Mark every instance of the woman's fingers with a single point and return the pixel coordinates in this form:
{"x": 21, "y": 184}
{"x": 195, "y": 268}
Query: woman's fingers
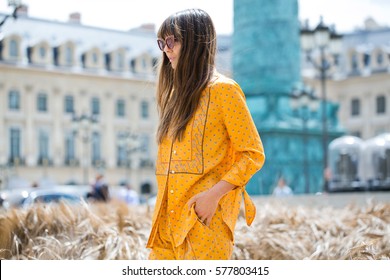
{"x": 204, "y": 209}
{"x": 191, "y": 201}
{"x": 201, "y": 221}
{"x": 207, "y": 222}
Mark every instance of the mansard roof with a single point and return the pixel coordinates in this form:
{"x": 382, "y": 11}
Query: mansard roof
{"x": 33, "y": 30}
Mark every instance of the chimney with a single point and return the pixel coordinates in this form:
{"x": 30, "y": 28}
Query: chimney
{"x": 146, "y": 27}
{"x": 75, "y": 18}
{"x": 22, "y": 11}
{"x": 371, "y": 24}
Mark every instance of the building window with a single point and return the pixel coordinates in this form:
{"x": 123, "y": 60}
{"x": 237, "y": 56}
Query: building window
{"x": 144, "y": 109}
{"x": 95, "y": 58}
{"x": 336, "y": 59}
{"x": 43, "y": 145}
{"x": 14, "y": 100}
{"x": 42, "y": 52}
{"x": 68, "y": 56}
{"x": 379, "y": 59}
{"x": 367, "y": 60}
{"x": 120, "y": 108}
{"x": 144, "y": 63}
{"x": 132, "y": 65}
{"x": 69, "y": 104}
{"x": 96, "y": 141}
{"x": 13, "y": 48}
{"x": 145, "y": 148}
{"x": 355, "y": 63}
{"x": 119, "y": 61}
{"x": 146, "y": 160}
{"x": 15, "y": 142}
{"x": 95, "y": 106}
{"x": 121, "y": 153}
{"x": 42, "y": 102}
{"x": 121, "y": 156}
{"x": 355, "y": 107}
{"x": 381, "y": 105}
{"x": 70, "y": 150}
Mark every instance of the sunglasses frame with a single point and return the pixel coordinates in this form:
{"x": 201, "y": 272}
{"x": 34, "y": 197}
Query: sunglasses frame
{"x": 169, "y": 42}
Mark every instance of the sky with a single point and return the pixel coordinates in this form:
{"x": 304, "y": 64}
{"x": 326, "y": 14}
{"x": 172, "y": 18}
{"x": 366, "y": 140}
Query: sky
{"x": 123, "y": 15}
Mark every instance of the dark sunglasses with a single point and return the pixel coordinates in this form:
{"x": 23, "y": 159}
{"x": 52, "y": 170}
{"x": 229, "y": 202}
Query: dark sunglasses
{"x": 169, "y": 42}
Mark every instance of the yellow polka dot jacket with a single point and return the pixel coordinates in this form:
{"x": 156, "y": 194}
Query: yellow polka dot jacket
{"x": 221, "y": 142}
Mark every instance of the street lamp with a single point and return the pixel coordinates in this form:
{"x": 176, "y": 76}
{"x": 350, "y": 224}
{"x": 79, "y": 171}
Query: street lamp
{"x": 322, "y": 47}
{"x": 304, "y": 103}
{"x": 83, "y": 126}
{"x": 128, "y": 142}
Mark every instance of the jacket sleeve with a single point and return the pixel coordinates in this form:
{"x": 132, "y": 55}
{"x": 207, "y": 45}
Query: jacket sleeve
{"x": 248, "y": 149}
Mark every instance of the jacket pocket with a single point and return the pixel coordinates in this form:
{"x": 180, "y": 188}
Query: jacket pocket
{"x": 212, "y": 242}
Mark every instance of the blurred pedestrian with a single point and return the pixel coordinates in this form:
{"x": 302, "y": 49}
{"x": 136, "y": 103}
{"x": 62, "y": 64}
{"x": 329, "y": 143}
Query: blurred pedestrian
{"x": 282, "y": 189}
{"x": 327, "y": 178}
{"x": 100, "y": 190}
{"x": 130, "y": 196}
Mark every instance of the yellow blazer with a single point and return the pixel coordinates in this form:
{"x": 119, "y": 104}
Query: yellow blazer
{"x": 220, "y": 142}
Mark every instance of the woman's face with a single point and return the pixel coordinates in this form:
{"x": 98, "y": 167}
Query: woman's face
{"x": 171, "y": 47}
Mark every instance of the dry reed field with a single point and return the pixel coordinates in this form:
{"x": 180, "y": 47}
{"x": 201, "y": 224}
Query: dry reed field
{"x": 116, "y": 231}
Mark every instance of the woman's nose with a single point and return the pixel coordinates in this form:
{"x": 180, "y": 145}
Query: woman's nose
{"x": 166, "y": 49}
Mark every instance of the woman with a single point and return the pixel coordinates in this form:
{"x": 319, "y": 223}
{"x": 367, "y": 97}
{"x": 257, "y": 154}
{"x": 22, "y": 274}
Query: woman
{"x": 208, "y": 146}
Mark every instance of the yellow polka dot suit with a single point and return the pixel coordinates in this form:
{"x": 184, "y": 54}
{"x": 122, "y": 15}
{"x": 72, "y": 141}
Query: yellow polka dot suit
{"x": 220, "y": 142}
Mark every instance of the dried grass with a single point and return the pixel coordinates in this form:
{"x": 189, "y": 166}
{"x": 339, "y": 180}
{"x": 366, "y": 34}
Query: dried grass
{"x": 115, "y": 231}
{"x": 283, "y": 232}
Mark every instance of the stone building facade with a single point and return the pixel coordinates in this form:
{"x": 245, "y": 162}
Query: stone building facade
{"x": 359, "y": 80}
{"x": 55, "y": 73}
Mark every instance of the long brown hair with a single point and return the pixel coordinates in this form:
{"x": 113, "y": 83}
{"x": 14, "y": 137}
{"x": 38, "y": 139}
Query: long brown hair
{"x": 179, "y": 89}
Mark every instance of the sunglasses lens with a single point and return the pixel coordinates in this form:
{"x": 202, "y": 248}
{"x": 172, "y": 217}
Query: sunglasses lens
{"x": 170, "y": 42}
{"x": 161, "y": 44}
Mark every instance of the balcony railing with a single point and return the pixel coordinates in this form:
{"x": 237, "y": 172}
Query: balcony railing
{"x": 16, "y": 161}
{"x": 45, "y": 161}
{"x": 146, "y": 163}
{"x": 98, "y": 163}
{"x": 72, "y": 162}
{"x": 123, "y": 163}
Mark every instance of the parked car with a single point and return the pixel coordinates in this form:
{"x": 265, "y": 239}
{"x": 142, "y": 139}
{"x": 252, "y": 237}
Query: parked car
{"x": 53, "y": 195}
{"x": 13, "y": 198}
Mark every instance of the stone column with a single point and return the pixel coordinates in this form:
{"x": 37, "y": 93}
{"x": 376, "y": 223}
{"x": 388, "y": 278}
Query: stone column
{"x": 108, "y": 131}
{"x": 58, "y": 138}
{"x": 3, "y": 138}
{"x": 29, "y": 138}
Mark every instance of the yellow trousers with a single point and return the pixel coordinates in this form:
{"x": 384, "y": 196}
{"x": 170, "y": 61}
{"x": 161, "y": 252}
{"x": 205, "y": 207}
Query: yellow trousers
{"x": 201, "y": 243}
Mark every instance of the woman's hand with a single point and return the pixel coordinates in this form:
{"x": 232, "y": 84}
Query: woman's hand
{"x": 206, "y": 202}
{"x": 205, "y": 206}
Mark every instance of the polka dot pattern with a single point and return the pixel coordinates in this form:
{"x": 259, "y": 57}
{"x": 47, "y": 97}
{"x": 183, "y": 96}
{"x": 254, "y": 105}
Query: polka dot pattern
{"x": 221, "y": 142}
{"x": 201, "y": 242}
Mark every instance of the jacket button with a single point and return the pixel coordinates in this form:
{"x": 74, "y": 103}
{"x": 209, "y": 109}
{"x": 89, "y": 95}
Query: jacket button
{"x": 171, "y": 191}
{"x": 172, "y": 171}
{"x": 172, "y": 211}
{"x": 175, "y": 152}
